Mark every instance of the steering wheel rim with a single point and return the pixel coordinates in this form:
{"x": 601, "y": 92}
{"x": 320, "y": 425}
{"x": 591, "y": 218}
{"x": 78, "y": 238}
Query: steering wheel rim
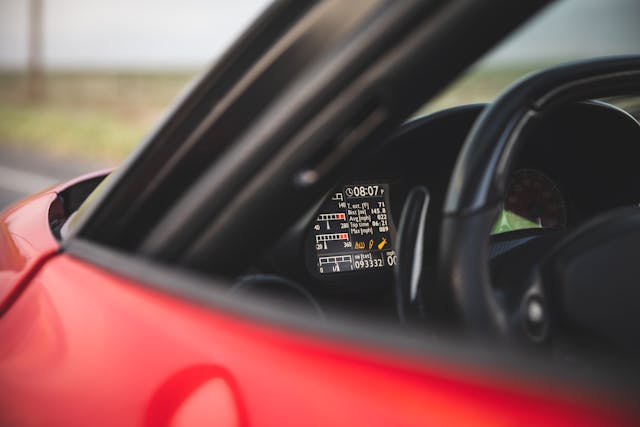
{"x": 477, "y": 187}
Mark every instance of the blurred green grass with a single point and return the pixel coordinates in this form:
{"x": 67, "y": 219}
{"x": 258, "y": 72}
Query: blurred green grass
{"x": 96, "y": 115}
{"x": 103, "y": 115}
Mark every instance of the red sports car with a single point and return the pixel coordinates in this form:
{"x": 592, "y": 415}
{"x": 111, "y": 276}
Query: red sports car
{"x": 286, "y": 249}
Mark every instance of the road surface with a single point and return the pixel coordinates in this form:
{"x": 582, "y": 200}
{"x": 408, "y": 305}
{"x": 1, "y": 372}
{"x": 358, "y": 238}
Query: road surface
{"x": 25, "y": 172}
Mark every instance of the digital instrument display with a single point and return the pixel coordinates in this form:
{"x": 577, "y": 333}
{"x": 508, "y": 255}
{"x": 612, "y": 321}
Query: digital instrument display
{"x": 353, "y": 230}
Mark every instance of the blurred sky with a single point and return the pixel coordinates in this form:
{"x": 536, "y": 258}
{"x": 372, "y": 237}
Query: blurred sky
{"x": 187, "y": 34}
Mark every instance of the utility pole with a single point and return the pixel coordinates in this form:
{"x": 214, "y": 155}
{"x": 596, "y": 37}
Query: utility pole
{"x": 35, "y": 72}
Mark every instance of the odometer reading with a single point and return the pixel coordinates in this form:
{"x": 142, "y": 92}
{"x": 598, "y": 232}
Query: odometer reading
{"x": 352, "y": 230}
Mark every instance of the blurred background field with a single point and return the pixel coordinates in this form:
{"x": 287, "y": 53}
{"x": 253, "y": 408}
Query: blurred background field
{"x": 108, "y": 69}
{"x": 82, "y": 82}
{"x": 103, "y": 115}
{"x": 99, "y": 115}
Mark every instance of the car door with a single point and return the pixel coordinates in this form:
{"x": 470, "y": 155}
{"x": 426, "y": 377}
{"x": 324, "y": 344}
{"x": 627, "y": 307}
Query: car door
{"x": 129, "y": 320}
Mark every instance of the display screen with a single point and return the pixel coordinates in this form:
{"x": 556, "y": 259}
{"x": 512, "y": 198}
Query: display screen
{"x": 353, "y": 230}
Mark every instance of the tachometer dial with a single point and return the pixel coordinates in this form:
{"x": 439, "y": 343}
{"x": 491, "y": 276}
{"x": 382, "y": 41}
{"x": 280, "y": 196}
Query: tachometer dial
{"x": 534, "y": 198}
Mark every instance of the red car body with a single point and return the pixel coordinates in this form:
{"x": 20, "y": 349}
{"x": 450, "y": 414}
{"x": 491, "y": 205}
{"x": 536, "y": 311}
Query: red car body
{"x": 85, "y": 345}
{"x": 82, "y": 346}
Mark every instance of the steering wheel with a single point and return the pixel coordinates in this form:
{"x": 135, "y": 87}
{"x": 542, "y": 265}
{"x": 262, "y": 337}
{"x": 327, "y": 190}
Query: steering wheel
{"x": 588, "y": 281}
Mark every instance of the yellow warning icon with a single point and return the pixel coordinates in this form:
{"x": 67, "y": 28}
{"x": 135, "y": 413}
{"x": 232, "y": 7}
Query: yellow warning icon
{"x": 382, "y": 243}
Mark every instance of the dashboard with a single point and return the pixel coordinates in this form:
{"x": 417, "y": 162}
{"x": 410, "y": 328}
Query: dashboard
{"x": 580, "y": 161}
